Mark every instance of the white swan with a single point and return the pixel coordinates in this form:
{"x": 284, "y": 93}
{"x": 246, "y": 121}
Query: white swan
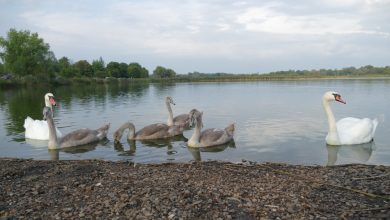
{"x": 75, "y": 138}
{"x": 183, "y": 119}
{"x": 38, "y": 129}
{"x": 346, "y": 131}
{"x": 209, "y": 137}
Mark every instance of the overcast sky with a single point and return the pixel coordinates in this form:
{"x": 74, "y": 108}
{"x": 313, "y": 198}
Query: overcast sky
{"x": 210, "y": 35}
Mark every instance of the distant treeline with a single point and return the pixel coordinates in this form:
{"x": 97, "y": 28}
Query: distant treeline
{"x": 365, "y": 71}
{"x": 27, "y": 59}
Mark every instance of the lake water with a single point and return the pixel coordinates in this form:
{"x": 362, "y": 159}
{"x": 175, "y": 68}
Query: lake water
{"x": 276, "y": 121}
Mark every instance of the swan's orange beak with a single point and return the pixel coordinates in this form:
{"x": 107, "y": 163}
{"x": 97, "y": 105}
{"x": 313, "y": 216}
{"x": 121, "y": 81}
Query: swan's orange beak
{"x": 339, "y": 99}
{"x": 52, "y": 101}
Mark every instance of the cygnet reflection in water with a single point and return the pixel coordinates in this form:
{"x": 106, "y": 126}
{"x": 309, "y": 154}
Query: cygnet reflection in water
{"x": 157, "y": 143}
{"x": 55, "y": 153}
{"x": 196, "y": 152}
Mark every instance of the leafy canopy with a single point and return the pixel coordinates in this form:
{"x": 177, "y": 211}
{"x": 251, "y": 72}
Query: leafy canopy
{"x": 24, "y": 53}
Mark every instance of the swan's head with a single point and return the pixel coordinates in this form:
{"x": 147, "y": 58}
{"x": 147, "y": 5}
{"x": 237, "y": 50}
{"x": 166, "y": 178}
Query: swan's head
{"x": 333, "y": 96}
{"x": 47, "y": 113}
{"x": 117, "y": 136}
{"x": 119, "y": 132}
{"x": 169, "y": 100}
{"x": 49, "y": 99}
{"x": 196, "y": 118}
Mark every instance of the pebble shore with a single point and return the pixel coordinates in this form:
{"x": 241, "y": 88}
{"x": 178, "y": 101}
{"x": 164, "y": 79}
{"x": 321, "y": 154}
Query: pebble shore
{"x": 95, "y": 189}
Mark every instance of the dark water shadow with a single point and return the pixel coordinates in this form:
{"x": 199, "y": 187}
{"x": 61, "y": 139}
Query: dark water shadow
{"x": 157, "y": 143}
{"x": 196, "y": 152}
{"x": 55, "y": 154}
{"x": 18, "y": 103}
{"x": 120, "y": 148}
{"x": 357, "y": 152}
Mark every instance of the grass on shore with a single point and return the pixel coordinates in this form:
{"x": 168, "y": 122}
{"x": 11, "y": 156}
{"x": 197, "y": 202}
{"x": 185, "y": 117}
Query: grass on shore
{"x": 37, "y": 80}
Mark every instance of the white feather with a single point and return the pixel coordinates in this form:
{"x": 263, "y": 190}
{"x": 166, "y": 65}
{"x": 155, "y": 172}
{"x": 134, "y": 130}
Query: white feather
{"x": 37, "y": 129}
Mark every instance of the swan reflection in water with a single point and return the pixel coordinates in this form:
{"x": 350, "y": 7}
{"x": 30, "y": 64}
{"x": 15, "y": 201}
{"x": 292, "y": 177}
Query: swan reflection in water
{"x": 158, "y": 143}
{"x": 196, "y": 151}
{"x": 55, "y": 153}
{"x": 358, "y": 152}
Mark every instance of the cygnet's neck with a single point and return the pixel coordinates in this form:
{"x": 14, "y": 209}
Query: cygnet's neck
{"x": 170, "y": 114}
{"x": 194, "y": 140}
{"x": 53, "y": 142}
{"x": 131, "y": 134}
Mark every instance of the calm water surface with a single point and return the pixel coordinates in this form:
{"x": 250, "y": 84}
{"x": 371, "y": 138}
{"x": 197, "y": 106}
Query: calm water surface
{"x": 278, "y": 121}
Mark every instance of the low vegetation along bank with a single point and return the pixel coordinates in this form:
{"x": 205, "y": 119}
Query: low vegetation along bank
{"x": 198, "y": 190}
{"x": 26, "y": 81}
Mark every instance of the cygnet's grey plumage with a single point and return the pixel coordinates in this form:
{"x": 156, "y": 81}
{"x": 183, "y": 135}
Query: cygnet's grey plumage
{"x": 153, "y": 131}
{"x": 75, "y": 138}
{"x": 182, "y": 120}
{"x": 208, "y": 137}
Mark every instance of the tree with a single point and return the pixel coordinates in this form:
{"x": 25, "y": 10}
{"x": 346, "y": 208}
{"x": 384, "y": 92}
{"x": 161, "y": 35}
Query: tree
{"x": 144, "y": 73}
{"x": 83, "y": 68}
{"x": 65, "y": 67}
{"x": 113, "y": 69}
{"x": 117, "y": 70}
{"x": 161, "y": 72}
{"x": 98, "y": 67}
{"x": 137, "y": 71}
{"x": 24, "y": 53}
{"x": 123, "y": 72}
{"x": 2, "y": 68}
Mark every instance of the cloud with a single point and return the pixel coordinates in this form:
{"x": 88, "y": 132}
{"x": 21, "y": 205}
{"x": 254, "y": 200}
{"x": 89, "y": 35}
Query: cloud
{"x": 225, "y": 36}
{"x": 264, "y": 19}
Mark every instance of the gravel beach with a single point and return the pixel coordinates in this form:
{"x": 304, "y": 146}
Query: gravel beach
{"x": 95, "y": 189}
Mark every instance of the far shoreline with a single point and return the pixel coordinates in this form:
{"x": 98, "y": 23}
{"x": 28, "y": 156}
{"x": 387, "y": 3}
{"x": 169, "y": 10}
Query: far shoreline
{"x": 33, "y": 81}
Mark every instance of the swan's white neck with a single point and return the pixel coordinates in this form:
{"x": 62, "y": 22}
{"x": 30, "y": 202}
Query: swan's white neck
{"x": 170, "y": 114}
{"x": 333, "y": 136}
{"x": 194, "y": 140}
{"x": 53, "y": 142}
{"x": 48, "y": 103}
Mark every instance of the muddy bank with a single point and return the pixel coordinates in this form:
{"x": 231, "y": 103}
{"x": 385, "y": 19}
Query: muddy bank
{"x": 199, "y": 190}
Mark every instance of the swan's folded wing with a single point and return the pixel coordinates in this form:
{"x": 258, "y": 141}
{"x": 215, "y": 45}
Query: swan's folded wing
{"x": 27, "y": 122}
{"x": 152, "y": 130}
{"x": 79, "y": 137}
{"x": 355, "y": 130}
{"x": 211, "y": 135}
{"x": 175, "y": 130}
{"x": 181, "y": 119}
{"x": 36, "y": 129}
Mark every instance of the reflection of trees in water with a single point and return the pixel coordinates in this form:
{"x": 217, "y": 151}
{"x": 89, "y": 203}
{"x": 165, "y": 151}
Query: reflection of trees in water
{"x": 196, "y": 152}
{"x": 98, "y": 93}
{"x": 163, "y": 89}
{"x": 356, "y": 152}
{"x": 18, "y": 103}
{"x": 84, "y": 92}
{"x": 133, "y": 89}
